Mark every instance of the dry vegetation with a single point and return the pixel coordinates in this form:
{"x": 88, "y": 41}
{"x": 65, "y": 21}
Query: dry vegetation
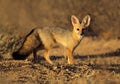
{"x": 97, "y": 58}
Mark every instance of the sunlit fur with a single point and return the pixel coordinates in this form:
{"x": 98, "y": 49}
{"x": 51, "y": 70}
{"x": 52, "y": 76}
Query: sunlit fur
{"x": 46, "y": 37}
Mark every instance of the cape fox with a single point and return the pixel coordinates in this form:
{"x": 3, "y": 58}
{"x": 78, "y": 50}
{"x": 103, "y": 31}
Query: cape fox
{"x": 46, "y": 37}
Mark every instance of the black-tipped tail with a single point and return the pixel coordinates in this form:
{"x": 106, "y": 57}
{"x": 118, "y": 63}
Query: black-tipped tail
{"x": 18, "y": 56}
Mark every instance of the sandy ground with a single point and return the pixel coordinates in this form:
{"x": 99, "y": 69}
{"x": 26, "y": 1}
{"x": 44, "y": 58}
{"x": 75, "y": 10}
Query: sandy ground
{"x": 95, "y": 62}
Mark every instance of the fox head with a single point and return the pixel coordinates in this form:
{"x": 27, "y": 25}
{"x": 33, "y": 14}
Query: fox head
{"x": 77, "y": 26}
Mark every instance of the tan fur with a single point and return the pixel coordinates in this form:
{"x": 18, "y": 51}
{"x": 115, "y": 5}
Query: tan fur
{"x": 48, "y": 36}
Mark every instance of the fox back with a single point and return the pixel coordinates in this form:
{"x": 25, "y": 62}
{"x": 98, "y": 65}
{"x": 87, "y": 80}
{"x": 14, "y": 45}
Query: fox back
{"x": 69, "y": 39}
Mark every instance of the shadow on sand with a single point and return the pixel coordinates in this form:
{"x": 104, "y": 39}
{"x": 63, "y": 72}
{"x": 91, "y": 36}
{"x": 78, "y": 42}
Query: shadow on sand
{"x": 104, "y": 55}
{"x": 111, "y": 67}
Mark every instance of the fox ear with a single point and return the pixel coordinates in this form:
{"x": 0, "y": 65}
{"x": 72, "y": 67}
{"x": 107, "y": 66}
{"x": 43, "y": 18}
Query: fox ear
{"x": 86, "y": 21}
{"x": 74, "y": 20}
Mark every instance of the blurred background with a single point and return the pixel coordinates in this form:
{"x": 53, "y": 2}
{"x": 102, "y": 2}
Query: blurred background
{"x": 20, "y": 16}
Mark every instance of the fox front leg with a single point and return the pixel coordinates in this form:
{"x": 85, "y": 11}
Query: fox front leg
{"x": 70, "y": 57}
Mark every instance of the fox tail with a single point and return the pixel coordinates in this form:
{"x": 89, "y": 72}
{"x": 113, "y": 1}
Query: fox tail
{"x": 31, "y": 42}
{"x": 17, "y": 56}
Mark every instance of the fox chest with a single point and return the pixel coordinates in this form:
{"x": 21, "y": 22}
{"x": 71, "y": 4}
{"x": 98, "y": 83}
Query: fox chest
{"x": 67, "y": 42}
{"x": 75, "y": 42}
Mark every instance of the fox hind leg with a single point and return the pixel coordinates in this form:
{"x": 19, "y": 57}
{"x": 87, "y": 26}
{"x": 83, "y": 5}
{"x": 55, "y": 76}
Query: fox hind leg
{"x": 46, "y": 56}
{"x": 35, "y": 56}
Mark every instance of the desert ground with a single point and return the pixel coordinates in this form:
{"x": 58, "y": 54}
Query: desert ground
{"x": 96, "y": 62}
{"x": 96, "y": 59}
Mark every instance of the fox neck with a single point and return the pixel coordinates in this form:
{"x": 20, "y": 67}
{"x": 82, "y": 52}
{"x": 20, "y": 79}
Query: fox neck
{"x": 76, "y": 36}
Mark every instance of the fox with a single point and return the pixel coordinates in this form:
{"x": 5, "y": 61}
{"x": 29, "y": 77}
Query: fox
{"x": 46, "y": 37}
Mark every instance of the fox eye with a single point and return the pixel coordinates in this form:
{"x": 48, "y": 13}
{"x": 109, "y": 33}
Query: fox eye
{"x": 78, "y": 29}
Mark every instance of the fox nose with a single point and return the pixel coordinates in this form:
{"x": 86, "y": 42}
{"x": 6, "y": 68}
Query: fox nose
{"x": 83, "y": 32}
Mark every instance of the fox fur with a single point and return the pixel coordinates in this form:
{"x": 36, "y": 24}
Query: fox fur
{"x": 46, "y": 37}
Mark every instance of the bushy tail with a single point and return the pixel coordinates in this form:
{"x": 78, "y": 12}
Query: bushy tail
{"x": 31, "y": 42}
{"x": 18, "y": 56}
